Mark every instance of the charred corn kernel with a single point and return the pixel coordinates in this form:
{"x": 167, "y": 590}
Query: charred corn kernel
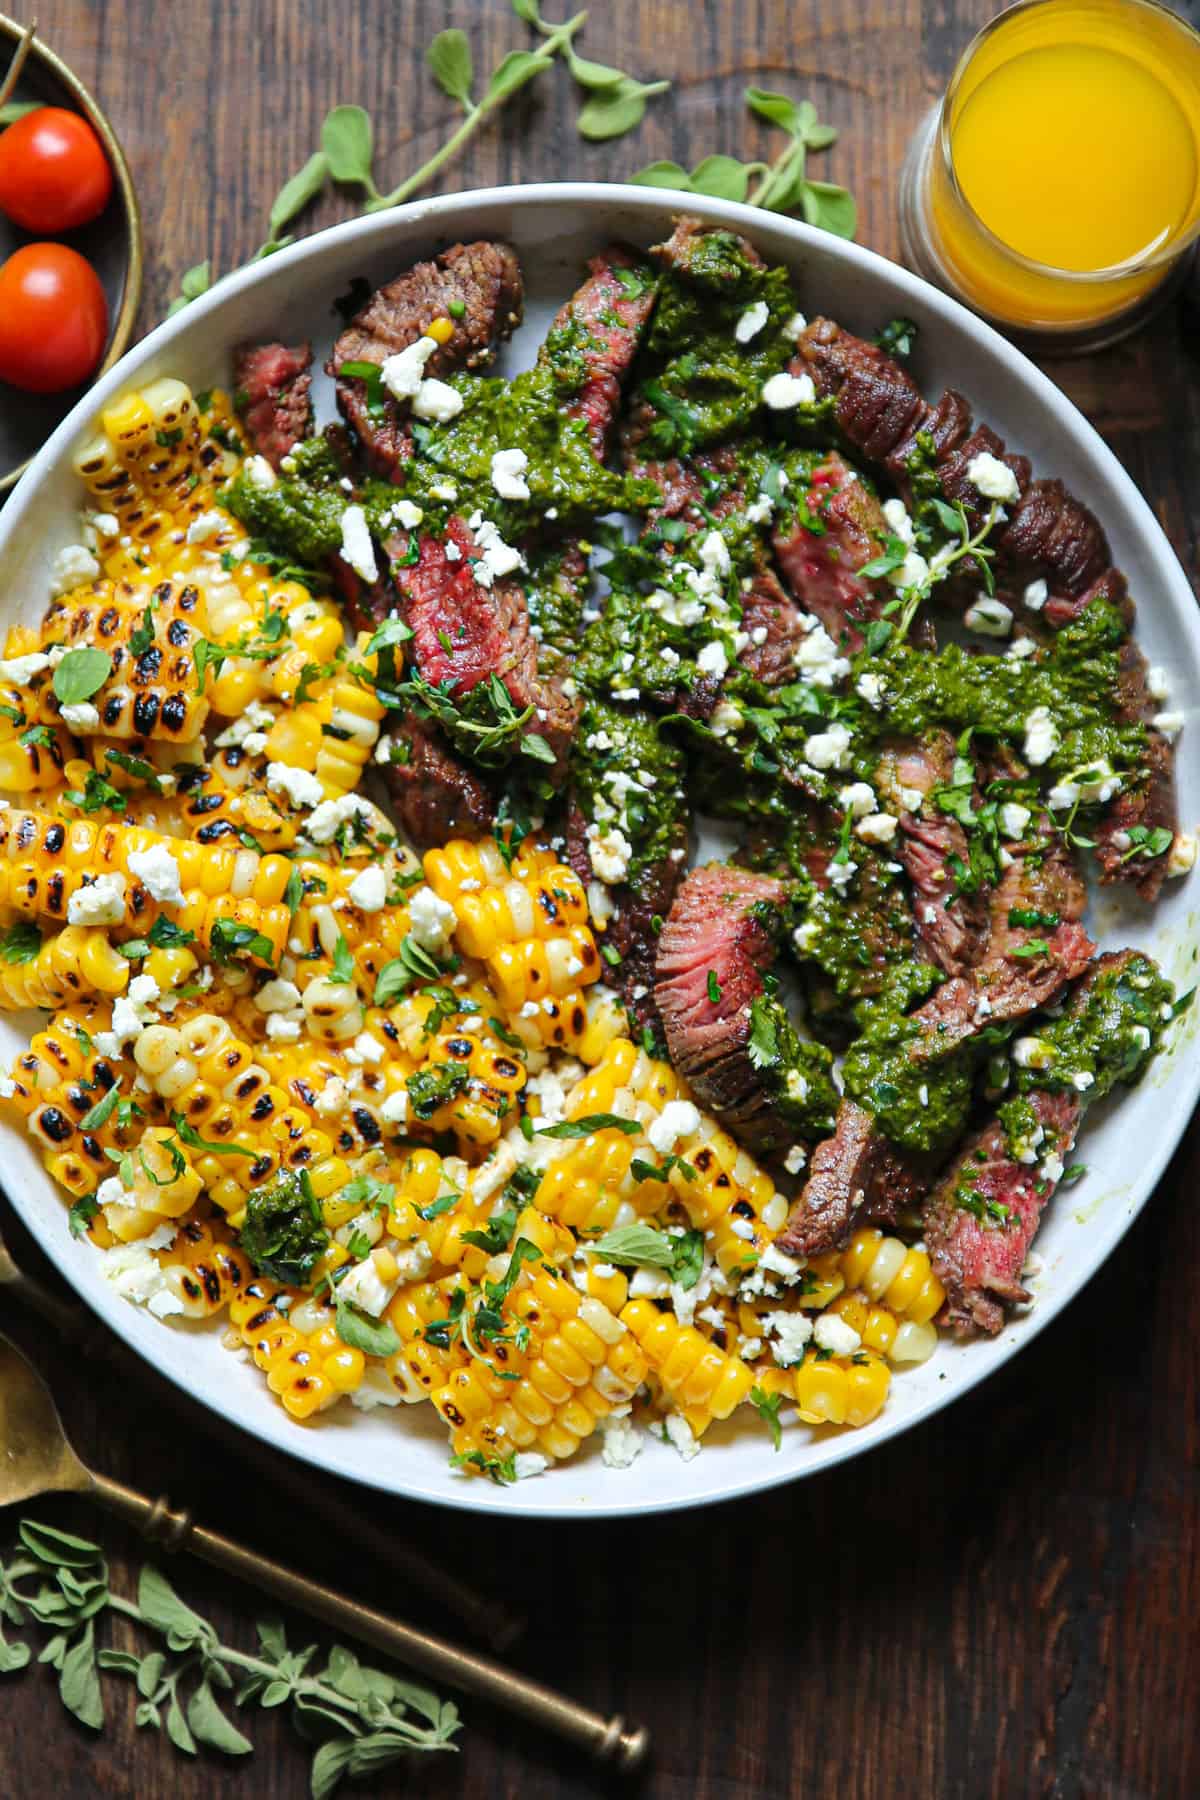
{"x": 150, "y": 632}
{"x": 605, "y": 1021}
{"x": 887, "y": 1270}
{"x": 467, "y": 867}
{"x": 76, "y": 962}
{"x": 29, "y": 765}
{"x": 840, "y": 1390}
{"x": 693, "y": 1372}
{"x": 535, "y": 969}
{"x": 351, "y": 734}
{"x": 204, "y": 1276}
{"x": 546, "y": 905}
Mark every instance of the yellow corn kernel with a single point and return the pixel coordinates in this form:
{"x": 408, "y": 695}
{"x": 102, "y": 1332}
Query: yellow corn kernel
{"x": 841, "y": 1390}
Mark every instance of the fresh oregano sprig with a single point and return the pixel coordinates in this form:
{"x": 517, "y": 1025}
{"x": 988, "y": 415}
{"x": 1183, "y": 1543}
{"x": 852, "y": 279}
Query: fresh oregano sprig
{"x": 615, "y": 104}
{"x": 782, "y": 186}
{"x": 363, "y": 1718}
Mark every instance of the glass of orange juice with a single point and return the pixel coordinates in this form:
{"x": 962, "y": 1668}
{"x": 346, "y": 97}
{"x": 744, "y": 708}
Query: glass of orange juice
{"x": 1056, "y": 188}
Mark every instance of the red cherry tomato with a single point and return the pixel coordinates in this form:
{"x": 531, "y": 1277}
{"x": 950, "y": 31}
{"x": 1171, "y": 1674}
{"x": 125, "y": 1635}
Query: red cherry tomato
{"x": 54, "y": 174}
{"x": 53, "y": 319}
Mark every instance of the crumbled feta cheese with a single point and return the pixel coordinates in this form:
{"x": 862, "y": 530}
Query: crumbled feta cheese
{"x": 205, "y": 527}
{"x": 80, "y": 715}
{"x": 841, "y": 874}
{"x": 22, "y": 669}
{"x": 775, "y": 1262}
{"x": 678, "y": 1119}
{"x": 101, "y": 902}
{"x": 725, "y": 718}
{"x": 1169, "y": 723}
{"x": 1022, "y": 647}
{"x": 254, "y": 743}
{"x": 404, "y": 372}
{"x": 394, "y": 1110}
{"x": 136, "y": 1275}
{"x": 681, "y": 1435}
{"x": 877, "y": 828}
{"x": 364, "y": 1286}
{"x": 406, "y": 514}
{"x": 1157, "y": 684}
{"x": 993, "y": 478}
{"x": 1036, "y": 595}
{"x": 816, "y": 654}
{"x": 438, "y": 401}
{"x": 858, "y": 799}
{"x": 783, "y": 391}
{"x": 795, "y": 1159}
{"x": 649, "y": 1284}
{"x": 795, "y": 326}
{"x": 528, "y": 1463}
{"x": 301, "y": 788}
{"x": 1082, "y": 1080}
{"x": 1041, "y": 737}
{"x": 911, "y": 799}
{"x": 453, "y": 553}
{"x": 790, "y": 1332}
{"x": 105, "y": 526}
{"x": 1032, "y": 1053}
{"x": 431, "y": 919}
{"x": 760, "y": 510}
{"x": 285, "y": 1029}
{"x": 610, "y": 855}
{"x": 1014, "y": 819}
{"x": 913, "y": 571}
{"x": 71, "y": 568}
{"x": 622, "y": 1443}
{"x": 869, "y": 687}
{"x": 158, "y": 872}
{"x": 357, "y": 547}
{"x": 508, "y": 474}
{"x": 1181, "y": 857}
{"x": 751, "y": 322}
{"x": 256, "y": 717}
{"x": 988, "y": 616}
{"x": 259, "y": 473}
{"x": 713, "y": 659}
{"x": 833, "y": 1333}
{"x": 828, "y": 749}
{"x": 498, "y": 558}
{"x": 896, "y": 514}
{"x": 1051, "y": 1167}
{"x": 328, "y": 818}
{"x": 368, "y": 890}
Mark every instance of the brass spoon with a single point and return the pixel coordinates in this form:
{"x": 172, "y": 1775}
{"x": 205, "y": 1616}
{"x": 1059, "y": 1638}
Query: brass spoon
{"x": 35, "y": 1458}
{"x": 485, "y": 1618}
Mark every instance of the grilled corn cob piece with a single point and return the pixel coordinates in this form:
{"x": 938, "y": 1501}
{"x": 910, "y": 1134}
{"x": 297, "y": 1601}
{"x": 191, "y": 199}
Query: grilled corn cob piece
{"x": 73, "y": 964}
{"x": 840, "y": 1390}
{"x": 203, "y": 1273}
{"x": 151, "y": 691}
{"x": 308, "y": 1370}
{"x": 702, "y": 1382}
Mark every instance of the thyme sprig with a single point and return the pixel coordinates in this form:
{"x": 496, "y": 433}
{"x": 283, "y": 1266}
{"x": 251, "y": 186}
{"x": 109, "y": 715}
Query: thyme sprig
{"x": 364, "y": 1718}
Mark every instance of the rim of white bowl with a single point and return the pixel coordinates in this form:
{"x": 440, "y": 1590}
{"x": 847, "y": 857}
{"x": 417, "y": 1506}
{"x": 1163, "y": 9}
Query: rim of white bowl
{"x": 1182, "y": 1092}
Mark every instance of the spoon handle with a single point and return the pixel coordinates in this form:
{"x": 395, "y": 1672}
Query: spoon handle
{"x": 607, "y": 1740}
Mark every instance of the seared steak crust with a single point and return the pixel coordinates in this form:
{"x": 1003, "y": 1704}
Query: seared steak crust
{"x": 855, "y": 1176}
{"x": 272, "y": 383}
{"x": 435, "y": 795}
{"x": 951, "y": 927}
{"x": 822, "y": 569}
{"x": 631, "y": 931}
{"x": 483, "y": 279}
{"x": 606, "y": 317}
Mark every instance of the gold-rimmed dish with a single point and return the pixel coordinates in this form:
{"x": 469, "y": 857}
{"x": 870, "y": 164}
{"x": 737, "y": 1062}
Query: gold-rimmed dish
{"x": 112, "y": 244}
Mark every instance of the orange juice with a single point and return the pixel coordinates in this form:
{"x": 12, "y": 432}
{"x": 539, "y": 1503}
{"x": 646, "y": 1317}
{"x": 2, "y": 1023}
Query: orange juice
{"x": 1066, "y": 170}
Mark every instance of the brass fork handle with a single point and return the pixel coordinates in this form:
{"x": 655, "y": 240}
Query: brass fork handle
{"x": 607, "y": 1740}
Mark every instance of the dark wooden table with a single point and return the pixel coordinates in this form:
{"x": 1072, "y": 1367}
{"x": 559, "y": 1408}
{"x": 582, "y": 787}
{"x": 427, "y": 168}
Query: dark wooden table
{"x": 1004, "y": 1601}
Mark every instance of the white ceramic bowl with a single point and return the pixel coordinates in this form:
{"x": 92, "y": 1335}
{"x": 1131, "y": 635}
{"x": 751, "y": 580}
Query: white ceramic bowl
{"x": 403, "y": 1450}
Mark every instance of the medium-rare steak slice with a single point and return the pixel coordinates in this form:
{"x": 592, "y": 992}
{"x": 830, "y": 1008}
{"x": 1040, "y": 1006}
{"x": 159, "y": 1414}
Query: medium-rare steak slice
{"x": 602, "y": 324}
{"x": 475, "y": 288}
{"x": 468, "y": 635}
{"x": 726, "y": 1030}
{"x": 823, "y": 548}
{"x": 981, "y": 1219}
{"x": 271, "y": 385}
{"x": 855, "y": 1175}
{"x": 951, "y": 925}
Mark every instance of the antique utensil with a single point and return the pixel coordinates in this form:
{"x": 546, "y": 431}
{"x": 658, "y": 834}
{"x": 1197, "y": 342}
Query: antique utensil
{"x": 485, "y": 1618}
{"x": 13, "y": 73}
{"x": 36, "y": 1458}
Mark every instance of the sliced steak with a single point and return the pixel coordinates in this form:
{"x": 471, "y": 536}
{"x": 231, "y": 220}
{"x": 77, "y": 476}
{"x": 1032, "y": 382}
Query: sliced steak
{"x": 633, "y": 908}
{"x": 603, "y": 322}
{"x": 688, "y": 252}
{"x": 951, "y": 927}
{"x": 435, "y": 795}
{"x": 476, "y": 287}
{"x": 856, "y": 1175}
{"x": 981, "y": 1218}
{"x": 272, "y": 384}
{"x": 1049, "y": 530}
{"x": 776, "y": 627}
{"x": 464, "y": 633}
{"x": 821, "y": 566}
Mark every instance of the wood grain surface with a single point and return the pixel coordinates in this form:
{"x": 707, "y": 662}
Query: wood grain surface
{"x": 1002, "y": 1603}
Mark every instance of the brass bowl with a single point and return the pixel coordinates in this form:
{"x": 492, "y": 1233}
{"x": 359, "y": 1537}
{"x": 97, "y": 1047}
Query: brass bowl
{"x": 112, "y": 243}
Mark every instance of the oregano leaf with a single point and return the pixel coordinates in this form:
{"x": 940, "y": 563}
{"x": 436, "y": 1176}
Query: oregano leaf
{"x": 58, "y": 1548}
{"x": 328, "y": 1766}
{"x": 165, "y": 1611}
{"x": 12, "y": 1656}
{"x": 723, "y": 176}
{"x": 831, "y": 207}
{"x": 295, "y": 195}
{"x": 592, "y": 74}
{"x": 210, "y": 1726}
{"x": 777, "y": 109}
{"x": 79, "y": 1682}
{"x": 346, "y": 139}
{"x": 662, "y": 174}
{"x": 613, "y": 111}
{"x": 177, "y": 1729}
{"x": 449, "y": 58}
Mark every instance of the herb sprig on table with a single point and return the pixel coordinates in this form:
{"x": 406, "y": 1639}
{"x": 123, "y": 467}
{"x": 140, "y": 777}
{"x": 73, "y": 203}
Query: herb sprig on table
{"x": 362, "y": 1718}
{"x": 614, "y": 104}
